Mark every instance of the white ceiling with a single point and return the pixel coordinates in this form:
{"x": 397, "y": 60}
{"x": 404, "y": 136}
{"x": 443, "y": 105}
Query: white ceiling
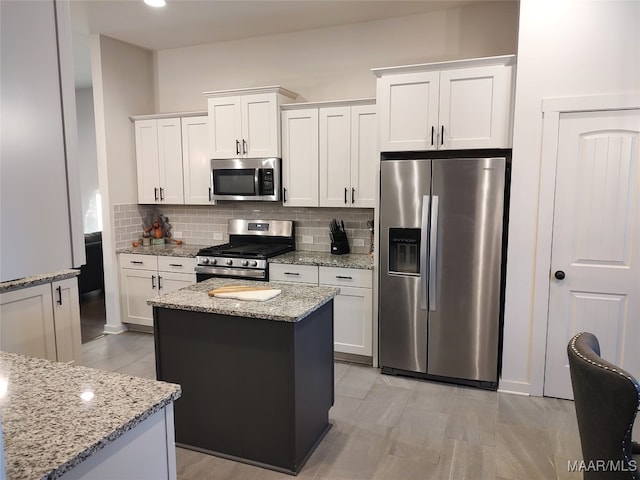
{"x": 183, "y": 23}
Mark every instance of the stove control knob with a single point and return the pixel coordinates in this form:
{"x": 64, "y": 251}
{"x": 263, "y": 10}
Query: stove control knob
{"x": 205, "y": 261}
{"x": 245, "y": 263}
{"x": 213, "y": 261}
{"x": 254, "y": 263}
{"x": 229, "y": 261}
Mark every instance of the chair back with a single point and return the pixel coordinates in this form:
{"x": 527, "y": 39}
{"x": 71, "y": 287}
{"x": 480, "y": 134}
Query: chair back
{"x": 606, "y": 401}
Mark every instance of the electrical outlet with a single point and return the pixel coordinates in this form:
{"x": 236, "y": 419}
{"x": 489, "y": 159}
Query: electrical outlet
{"x": 358, "y": 242}
{"x": 307, "y": 239}
{"x": 177, "y": 235}
{"x": 217, "y": 236}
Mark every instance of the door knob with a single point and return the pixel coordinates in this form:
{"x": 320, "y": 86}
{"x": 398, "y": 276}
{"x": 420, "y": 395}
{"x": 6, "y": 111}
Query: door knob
{"x": 559, "y": 274}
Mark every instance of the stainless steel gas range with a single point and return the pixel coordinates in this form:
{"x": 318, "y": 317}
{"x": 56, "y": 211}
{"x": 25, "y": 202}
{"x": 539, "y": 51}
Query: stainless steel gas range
{"x": 251, "y": 244}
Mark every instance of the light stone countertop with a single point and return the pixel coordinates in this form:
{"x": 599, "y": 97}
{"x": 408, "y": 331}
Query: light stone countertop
{"x": 168, "y": 249}
{"x": 48, "y": 428}
{"x": 34, "y": 280}
{"x": 325, "y": 259}
{"x": 294, "y": 303}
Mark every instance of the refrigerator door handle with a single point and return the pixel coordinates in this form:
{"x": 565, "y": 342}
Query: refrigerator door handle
{"x": 424, "y": 231}
{"x": 433, "y": 253}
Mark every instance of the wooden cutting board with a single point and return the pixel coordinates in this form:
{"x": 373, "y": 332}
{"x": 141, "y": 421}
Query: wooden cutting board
{"x": 245, "y": 292}
{"x": 236, "y": 288}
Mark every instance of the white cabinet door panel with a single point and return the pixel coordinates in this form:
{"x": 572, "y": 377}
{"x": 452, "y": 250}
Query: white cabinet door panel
{"x": 293, "y": 273}
{"x": 365, "y": 159}
{"x": 169, "y": 281}
{"x": 26, "y": 322}
{"x": 352, "y": 317}
{"x": 146, "y": 132}
{"x": 137, "y": 287}
{"x": 408, "y": 107}
{"x": 66, "y": 313}
{"x": 596, "y": 238}
{"x": 260, "y": 129}
{"x": 225, "y": 126}
{"x": 196, "y": 162}
{"x": 170, "y": 160}
{"x": 472, "y": 107}
{"x": 334, "y": 151}
{"x": 300, "y": 157}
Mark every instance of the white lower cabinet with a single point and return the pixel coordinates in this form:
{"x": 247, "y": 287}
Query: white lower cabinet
{"x": 42, "y": 321}
{"x": 352, "y": 308}
{"x": 147, "y": 276}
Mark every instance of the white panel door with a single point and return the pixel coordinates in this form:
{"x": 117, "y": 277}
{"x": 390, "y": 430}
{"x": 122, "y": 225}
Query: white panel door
{"x": 225, "y": 127}
{"x": 365, "y": 158}
{"x": 408, "y": 108}
{"x": 146, "y": 132}
{"x": 472, "y": 108}
{"x": 334, "y": 149}
{"x": 300, "y": 157}
{"x": 260, "y": 129}
{"x": 170, "y": 281}
{"x": 196, "y": 162}
{"x": 596, "y": 242}
{"x": 170, "y": 160}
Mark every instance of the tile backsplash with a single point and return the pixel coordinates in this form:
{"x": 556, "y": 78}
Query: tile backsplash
{"x": 207, "y": 224}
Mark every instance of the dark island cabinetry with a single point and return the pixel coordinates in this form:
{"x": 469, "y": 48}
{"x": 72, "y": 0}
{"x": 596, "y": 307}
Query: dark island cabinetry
{"x": 253, "y": 389}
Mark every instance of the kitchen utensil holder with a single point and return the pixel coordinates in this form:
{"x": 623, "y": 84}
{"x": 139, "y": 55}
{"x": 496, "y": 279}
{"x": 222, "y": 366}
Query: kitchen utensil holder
{"x": 339, "y": 248}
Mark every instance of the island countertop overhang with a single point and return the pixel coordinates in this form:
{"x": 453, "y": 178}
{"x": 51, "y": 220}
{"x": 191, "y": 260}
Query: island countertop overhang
{"x": 295, "y": 302}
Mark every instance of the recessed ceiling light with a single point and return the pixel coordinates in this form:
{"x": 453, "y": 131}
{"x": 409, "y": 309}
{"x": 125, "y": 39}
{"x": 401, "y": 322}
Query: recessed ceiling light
{"x": 155, "y": 3}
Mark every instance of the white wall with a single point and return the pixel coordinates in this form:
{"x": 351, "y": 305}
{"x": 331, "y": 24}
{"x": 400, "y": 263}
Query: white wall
{"x": 333, "y": 63}
{"x": 565, "y": 48}
{"x": 87, "y": 157}
{"x": 123, "y": 85}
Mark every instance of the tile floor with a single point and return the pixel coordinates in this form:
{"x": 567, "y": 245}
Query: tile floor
{"x": 396, "y": 428}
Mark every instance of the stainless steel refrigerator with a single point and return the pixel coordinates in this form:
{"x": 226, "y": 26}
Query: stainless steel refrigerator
{"x": 441, "y": 266}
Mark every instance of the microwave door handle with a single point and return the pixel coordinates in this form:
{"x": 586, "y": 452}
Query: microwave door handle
{"x": 433, "y": 253}
{"x": 424, "y": 232}
{"x": 256, "y": 182}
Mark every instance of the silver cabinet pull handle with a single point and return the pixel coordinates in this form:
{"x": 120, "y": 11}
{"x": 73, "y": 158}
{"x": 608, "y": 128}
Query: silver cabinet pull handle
{"x": 175, "y": 265}
{"x": 137, "y": 262}
{"x": 153, "y": 281}
{"x": 344, "y": 277}
{"x": 237, "y": 147}
{"x": 345, "y": 194}
{"x": 159, "y": 282}
{"x": 291, "y": 273}
{"x": 59, "y": 289}
{"x": 161, "y": 193}
{"x": 155, "y": 193}
{"x": 209, "y": 193}
{"x": 353, "y": 195}
{"x": 244, "y": 146}
{"x": 442, "y": 135}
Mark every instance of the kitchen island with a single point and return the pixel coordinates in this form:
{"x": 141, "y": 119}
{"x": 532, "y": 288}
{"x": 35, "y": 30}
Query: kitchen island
{"x": 72, "y": 422}
{"x": 256, "y": 377}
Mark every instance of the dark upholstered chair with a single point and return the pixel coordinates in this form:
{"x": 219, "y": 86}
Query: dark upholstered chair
{"x": 607, "y": 400}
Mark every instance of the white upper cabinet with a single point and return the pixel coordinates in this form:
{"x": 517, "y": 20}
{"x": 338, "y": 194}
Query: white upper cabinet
{"x": 442, "y": 106}
{"x": 300, "y": 157}
{"x": 330, "y": 154}
{"x": 159, "y": 160}
{"x": 246, "y": 123}
{"x": 196, "y": 162}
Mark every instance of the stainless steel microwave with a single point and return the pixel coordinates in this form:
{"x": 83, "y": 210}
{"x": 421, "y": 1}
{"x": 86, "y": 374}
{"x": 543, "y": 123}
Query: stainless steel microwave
{"x": 255, "y": 179}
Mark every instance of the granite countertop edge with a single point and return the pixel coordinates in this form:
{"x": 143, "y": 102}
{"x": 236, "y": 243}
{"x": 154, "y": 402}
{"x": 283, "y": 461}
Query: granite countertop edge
{"x": 221, "y": 310}
{"x": 114, "y": 435}
{"x": 34, "y": 280}
{"x": 360, "y": 261}
{"x": 300, "y": 299}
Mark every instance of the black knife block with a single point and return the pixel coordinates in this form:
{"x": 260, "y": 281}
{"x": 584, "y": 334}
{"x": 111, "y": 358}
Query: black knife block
{"x": 340, "y": 247}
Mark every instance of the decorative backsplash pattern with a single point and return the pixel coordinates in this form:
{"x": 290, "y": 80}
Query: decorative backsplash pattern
{"x": 207, "y": 224}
